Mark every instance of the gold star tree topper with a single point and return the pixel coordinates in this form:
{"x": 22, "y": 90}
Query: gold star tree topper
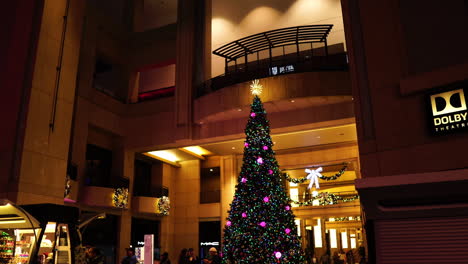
{"x": 256, "y": 87}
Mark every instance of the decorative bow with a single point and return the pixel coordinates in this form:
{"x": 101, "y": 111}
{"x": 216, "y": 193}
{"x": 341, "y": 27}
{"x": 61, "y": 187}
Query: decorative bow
{"x": 313, "y": 177}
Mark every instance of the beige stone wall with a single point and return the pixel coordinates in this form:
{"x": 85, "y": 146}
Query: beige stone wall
{"x": 45, "y": 152}
{"x": 186, "y": 206}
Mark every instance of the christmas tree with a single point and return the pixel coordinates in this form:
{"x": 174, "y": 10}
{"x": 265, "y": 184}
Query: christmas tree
{"x": 260, "y": 228}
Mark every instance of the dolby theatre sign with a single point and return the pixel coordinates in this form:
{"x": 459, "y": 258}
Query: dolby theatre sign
{"x": 449, "y": 111}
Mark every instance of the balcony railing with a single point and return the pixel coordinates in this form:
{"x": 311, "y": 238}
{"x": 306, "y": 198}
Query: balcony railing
{"x": 324, "y": 198}
{"x": 289, "y": 50}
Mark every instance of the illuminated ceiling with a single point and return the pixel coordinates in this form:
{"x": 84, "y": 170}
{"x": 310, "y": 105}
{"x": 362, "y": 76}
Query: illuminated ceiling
{"x": 285, "y": 141}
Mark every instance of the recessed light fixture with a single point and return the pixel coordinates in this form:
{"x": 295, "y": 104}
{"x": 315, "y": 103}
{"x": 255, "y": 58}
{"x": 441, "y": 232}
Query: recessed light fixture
{"x": 238, "y": 109}
{"x": 201, "y": 122}
{"x": 318, "y": 136}
{"x": 233, "y": 147}
{"x": 211, "y": 169}
{"x": 292, "y": 101}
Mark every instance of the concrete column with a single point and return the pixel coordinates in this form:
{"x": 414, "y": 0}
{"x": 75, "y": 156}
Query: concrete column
{"x": 167, "y": 222}
{"x": 228, "y": 185}
{"x": 125, "y": 223}
{"x": 20, "y": 29}
{"x": 186, "y": 206}
{"x": 48, "y": 125}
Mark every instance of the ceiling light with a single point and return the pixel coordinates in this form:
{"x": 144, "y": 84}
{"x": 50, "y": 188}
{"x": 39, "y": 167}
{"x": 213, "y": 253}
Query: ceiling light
{"x": 292, "y": 101}
{"x": 164, "y": 154}
{"x": 233, "y": 147}
{"x": 318, "y": 136}
{"x": 211, "y": 169}
{"x": 197, "y": 150}
{"x": 239, "y": 109}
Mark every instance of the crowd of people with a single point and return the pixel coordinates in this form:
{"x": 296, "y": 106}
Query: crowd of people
{"x": 187, "y": 256}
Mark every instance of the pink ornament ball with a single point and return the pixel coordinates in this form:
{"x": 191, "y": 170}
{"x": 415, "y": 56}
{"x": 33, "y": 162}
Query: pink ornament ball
{"x": 244, "y": 215}
{"x": 270, "y": 172}
{"x": 278, "y": 255}
{"x": 287, "y": 207}
{"x": 266, "y": 199}
{"x": 260, "y": 160}
{"x": 265, "y": 147}
{"x": 252, "y": 114}
{"x": 243, "y": 180}
{"x": 287, "y": 230}
{"x": 228, "y": 223}
{"x": 246, "y": 144}
{"x": 262, "y": 224}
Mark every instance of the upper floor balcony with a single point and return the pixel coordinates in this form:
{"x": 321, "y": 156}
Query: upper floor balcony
{"x": 277, "y": 52}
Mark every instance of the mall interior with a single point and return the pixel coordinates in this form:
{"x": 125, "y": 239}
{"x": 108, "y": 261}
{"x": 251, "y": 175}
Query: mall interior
{"x": 131, "y": 114}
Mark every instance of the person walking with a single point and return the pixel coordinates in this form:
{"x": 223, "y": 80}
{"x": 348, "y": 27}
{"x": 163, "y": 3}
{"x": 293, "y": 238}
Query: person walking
{"x": 213, "y": 258}
{"x": 183, "y": 256}
{"x": 165, "y": 258}
{"x": 130, "y": 258}
{"x": 191, "y": 257}
{"x": 94, "y": 256}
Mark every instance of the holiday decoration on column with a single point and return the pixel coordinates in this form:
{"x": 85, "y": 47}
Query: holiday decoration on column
{"x": 260, "y": 228}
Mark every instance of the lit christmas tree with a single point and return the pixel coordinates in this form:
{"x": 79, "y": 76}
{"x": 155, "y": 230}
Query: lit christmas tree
{"x": 260, "y": 228}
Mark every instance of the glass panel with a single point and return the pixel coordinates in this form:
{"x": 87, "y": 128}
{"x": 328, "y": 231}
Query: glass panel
{"x": 344, "y": 239}
{"x": 45, "y": 254}
{"x": 333, "y": 240}
{"x": 318, "y": 234}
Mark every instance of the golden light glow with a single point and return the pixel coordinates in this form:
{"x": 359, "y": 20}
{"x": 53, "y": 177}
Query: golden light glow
{"x": 256, "y": 87}
{"x": 163, "y": 154}
{"x": 13, "y": 222}
{"x": 197, "y": 150}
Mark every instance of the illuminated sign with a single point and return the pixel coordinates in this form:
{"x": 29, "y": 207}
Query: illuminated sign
{"x": 209, "y": 244}
{"x": 449, "y": 112}
{"x": 281, "y": 69}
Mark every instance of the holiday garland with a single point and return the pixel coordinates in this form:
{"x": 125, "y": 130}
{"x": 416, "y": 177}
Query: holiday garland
{"x": 345, "y": 219}
{"x": 120, "y": 197}
{"x": 327, "y": 178}
{"x": 326, "y": 198}
{"x": 164, "y": 205}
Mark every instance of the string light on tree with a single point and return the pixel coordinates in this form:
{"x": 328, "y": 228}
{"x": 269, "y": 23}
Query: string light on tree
{"x": 262, "y": 229}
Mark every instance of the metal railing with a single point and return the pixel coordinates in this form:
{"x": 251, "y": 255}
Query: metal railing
{"x": 290, "y": 50}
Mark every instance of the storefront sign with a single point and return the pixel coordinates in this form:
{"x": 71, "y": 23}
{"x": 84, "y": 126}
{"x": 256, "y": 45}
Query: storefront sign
{"x": 449, "y": 112}
{"x": 281, "y": 69}
{"x": 209, "y": 244}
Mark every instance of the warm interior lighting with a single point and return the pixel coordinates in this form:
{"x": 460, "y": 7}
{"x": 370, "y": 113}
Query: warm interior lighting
{"x": 12, "y": 222}
{"x": 333, "y": 240}
{"x": 50, "y": 227}
{"x": 298, "y": 224}
{"x": 344, "y": 239}
{"x": 197, "y": 150}
{"x": 353, "y": 242}
{"x": 294, "y": 194}
{"x": 318, "y": 234}
{"x": 163, "y": 154}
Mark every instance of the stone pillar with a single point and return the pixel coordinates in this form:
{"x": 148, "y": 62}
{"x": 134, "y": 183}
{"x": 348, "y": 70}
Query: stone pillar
{"x": 229, "y": 175}
{"x": 125, "y": 223}
{"x": 50, "y": 112}
{"x": 167, "y": 222}
{"x": 186, "y": 206}
{"x": 193, "y": 37}
{"x": 20, "y": 27}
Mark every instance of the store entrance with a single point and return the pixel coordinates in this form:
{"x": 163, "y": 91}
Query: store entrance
{"x": 328, "y": 211}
